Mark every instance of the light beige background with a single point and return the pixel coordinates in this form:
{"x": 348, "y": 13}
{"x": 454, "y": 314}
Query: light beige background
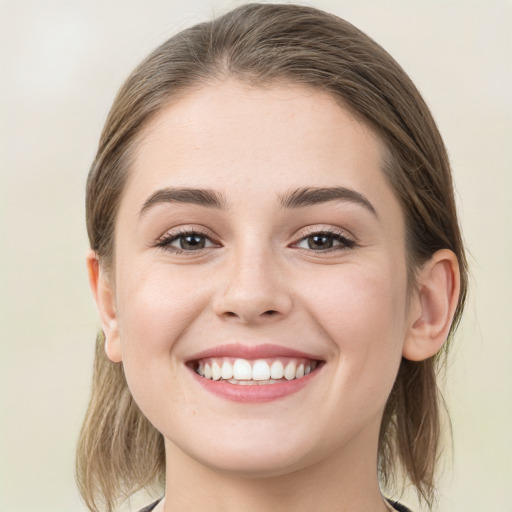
{"x": 61, "y": 63}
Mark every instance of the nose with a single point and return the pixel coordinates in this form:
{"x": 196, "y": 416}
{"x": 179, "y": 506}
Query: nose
{"x": 254, "y": 290}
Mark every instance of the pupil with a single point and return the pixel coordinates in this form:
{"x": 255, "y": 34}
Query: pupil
{"x": 192, "y": 242}
{"x": 320, "y": 242}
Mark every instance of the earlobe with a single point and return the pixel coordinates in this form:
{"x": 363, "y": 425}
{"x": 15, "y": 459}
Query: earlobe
{"x": 432, "y": 306}
{"x": 104, "y": 296}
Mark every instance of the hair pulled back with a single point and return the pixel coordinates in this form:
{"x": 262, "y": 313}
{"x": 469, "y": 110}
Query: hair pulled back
{"x": 119, "y": 451}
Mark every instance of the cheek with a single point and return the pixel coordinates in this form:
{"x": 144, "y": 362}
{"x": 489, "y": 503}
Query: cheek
{"x": 364, "y": 320}
{"x": 156, "y": 304}
{"x": 362, "y": 310}
{"x": 155, "y": 308}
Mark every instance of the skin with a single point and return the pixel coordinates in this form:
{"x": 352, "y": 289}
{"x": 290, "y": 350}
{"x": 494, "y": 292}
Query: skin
{"x": 257, "y": 280}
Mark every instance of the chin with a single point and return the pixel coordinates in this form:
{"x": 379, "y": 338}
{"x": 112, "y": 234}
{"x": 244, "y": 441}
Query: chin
{"x": 256, "y": 451}
{"x": 255, "y": 464}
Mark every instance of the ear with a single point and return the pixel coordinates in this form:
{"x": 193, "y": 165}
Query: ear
{"x": 104, "y": 296}
{"x": 432, "y": 306}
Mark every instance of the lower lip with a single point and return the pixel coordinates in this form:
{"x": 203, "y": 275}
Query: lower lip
{"x": 254, "y": 393}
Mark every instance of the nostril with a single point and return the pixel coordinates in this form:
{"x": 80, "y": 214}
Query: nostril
{"x": 270, "y": 312}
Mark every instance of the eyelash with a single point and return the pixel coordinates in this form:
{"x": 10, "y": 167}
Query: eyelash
{"x": 345, "y": 242}
{"x": 166, "y": 240}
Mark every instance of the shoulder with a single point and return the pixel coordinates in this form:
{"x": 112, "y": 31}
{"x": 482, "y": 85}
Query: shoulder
{"x": 151, "y": 507}
{"x": 398, "y": 506}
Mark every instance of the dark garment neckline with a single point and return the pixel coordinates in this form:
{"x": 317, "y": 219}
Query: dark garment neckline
{"x": 395, "y": 504}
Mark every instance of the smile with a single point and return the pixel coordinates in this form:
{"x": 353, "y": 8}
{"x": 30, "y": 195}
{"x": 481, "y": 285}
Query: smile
{"x": 254, "y": 372}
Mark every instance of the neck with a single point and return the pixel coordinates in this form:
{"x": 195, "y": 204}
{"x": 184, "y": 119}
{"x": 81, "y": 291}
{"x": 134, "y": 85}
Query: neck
{"x": 344, "y": 481}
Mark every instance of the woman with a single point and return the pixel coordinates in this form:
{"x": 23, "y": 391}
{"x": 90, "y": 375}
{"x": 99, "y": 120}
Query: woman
{"x": 277, "y": 264}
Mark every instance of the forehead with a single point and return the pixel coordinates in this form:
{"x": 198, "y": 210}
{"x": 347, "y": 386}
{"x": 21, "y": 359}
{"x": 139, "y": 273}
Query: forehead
{"x": 256, "y": 141}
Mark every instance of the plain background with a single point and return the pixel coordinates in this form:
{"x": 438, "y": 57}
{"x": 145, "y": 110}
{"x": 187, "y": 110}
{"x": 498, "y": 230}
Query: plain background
{"x": 61, "y": 65}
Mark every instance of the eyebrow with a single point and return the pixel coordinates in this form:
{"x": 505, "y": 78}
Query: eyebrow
{"x": 200, "y": 196}
{"x": 309, "y": 196}
{"x": 299, "y": 198}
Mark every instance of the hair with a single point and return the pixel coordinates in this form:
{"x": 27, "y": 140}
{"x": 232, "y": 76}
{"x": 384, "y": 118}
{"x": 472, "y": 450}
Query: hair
{"x": 119, "y": 451}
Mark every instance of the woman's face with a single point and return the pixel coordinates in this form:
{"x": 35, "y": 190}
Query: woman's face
{"x": 258, "y": 235}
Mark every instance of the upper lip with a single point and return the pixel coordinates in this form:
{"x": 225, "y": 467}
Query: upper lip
{"x": 262, "y": 351}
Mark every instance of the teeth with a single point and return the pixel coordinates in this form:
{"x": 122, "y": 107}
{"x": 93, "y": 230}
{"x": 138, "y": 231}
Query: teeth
{"x": 242, "y": 371}
{"x": 253, "y": 382}
{"x": 290, "y": 371}
{"x": 227, "y": 370}
{"x": 260, "y": 370}
{"x": 216, "y": 371}
{"x": 277, "y": 370}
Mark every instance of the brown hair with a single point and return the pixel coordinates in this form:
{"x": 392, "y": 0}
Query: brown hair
{"x": 119, "y": 451}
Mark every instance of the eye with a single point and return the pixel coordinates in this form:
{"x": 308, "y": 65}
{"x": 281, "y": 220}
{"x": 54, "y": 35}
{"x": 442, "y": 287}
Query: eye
{"x": 189, "y": 241}
{"x": 325, "y": 241}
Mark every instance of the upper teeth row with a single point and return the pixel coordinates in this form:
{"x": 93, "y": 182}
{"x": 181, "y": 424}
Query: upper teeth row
{"x": 242, "y": 369}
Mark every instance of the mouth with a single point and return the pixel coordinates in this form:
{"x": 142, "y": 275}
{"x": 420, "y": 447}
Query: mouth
{"x": 253, "y": 373}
